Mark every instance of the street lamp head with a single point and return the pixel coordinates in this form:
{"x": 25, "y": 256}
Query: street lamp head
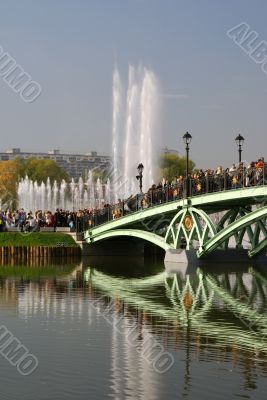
{"x": 187, "y": 138}
{"x": 239, "y": 140}
{"x": 140, "y": 169}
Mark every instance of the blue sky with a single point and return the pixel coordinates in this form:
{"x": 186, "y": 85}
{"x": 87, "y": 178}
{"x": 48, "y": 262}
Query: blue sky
{"x": 70, "y": 47}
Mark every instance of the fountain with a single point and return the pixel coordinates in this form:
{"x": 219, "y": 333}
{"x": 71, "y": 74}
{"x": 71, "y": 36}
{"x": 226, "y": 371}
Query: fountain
{"x": 134, "y": 127}
{"x": 134, "y": 136}
{"x": 73, "y": 196}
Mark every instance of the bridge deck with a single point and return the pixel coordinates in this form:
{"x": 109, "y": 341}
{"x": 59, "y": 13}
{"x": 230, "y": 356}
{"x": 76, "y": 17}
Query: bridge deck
{"x": 210, "y": 203}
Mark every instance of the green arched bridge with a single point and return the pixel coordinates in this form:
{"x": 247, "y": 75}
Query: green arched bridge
{"x": 204, "y": 223}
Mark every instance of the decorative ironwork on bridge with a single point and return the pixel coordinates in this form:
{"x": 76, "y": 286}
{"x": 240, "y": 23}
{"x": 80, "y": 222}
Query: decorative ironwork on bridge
{"x": 205, "y": 222}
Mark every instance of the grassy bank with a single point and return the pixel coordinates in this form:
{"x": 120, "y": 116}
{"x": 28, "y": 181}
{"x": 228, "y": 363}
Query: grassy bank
{"x": 26, "y": 272}
{"x": 34, "y": 239}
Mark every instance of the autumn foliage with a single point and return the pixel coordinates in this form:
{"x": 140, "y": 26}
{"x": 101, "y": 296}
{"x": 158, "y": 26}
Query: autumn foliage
{"x": 39, "y": 170}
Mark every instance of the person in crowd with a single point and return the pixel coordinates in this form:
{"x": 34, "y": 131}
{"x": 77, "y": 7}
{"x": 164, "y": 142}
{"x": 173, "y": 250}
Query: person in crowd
{"x": 2, "y": 221}
{"x": 232, "y": 170}
{"x": 22, "y": 219}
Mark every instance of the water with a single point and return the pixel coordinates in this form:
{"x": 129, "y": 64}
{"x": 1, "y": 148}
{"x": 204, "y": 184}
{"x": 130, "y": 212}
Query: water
{"x": 134, "y": 130}
{"x": 117, "y": 118}
{"x": 68, "y": 196}
{"x": 88, "y": 324}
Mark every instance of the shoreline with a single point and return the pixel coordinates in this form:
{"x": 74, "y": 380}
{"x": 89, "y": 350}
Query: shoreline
{"x": 38, "y": 245}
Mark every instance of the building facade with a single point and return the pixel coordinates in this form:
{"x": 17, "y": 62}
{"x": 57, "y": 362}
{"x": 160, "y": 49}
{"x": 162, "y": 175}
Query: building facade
{"x": 76, "y": 165}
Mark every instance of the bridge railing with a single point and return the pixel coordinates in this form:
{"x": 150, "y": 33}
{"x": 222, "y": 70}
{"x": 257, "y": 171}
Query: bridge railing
{"x": 198, "y": 185}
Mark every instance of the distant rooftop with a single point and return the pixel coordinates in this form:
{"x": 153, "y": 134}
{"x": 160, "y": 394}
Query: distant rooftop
{"x": 166, "y": 150}
{"x": 17, "y": 150}
{"x": 13, "y": 151}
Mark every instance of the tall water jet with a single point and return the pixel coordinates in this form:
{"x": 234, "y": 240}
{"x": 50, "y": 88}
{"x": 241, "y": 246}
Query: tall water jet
{"x": 80, "y": 187}
{"x": 29, "y": 203}
{"x": 148, "y": 111}
{"x": 76, "y": 196}
{"x": 42, "y": 195}
{"x": 49, "y": 194}
{"x": 90, "y": 189}
{"x": 108, "y": 196}
{"x": 117, "y": 119}
{"x": 55, "y": 194}
{"x": 99, "y": 191}
{"x": 85, "y": 199}
{"x": 132, "y": 128}
{"x": 62, "y": 191}
{"x": 72, "y": 188}
{"x": 140, "y": 139}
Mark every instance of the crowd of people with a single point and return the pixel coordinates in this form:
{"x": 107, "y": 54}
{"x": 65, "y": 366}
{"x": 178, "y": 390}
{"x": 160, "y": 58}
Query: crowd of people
{"x": 33, "y": 222}
{"x": 199, "y": 182}
{"x": 210, "y": 180}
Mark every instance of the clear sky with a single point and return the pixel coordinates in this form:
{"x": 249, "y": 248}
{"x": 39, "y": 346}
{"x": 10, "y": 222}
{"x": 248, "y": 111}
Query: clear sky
{"x": 211, "y": 87}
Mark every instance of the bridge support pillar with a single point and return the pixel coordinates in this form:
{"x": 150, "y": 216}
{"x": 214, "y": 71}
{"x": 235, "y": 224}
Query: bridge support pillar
{"x": 229, "y": 256}
{"x": 180, "y": 256}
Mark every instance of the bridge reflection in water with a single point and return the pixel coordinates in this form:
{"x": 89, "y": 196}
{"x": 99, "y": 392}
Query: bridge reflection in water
{"x": 221, "y": 314}
{"x": 211, "y": 316}
{"x": 229, "y": 307}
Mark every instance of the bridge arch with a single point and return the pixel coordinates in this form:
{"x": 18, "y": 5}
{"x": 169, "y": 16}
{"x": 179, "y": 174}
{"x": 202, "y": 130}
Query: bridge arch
{"x": 190, "y": 224}
{"x": 234, "y": 227}
{"x": 137, "y": 233}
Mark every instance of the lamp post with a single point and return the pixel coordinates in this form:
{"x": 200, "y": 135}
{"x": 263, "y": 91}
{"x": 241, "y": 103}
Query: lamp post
{"x": 187, "y": 140}
{"x": 139, "y": 177}
{"x": 239, "y": 141}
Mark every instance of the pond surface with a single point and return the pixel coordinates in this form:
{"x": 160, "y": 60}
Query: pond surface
{"x": 127, "y": 330}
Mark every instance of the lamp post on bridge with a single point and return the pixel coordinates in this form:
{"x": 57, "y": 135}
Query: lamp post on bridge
{"x": 187, "y": 140}
{"x": 139, "y": 177}
{"x": 239, "y": 141}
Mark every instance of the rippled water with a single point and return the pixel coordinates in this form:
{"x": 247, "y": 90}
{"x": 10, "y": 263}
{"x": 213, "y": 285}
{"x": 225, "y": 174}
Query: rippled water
{"x": 130, "y": 331}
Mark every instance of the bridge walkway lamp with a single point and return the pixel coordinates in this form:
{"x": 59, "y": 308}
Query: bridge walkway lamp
{"x": 139, "y": 177}
{"x": 240, "y": 141}
{"x": 187, "y": 140}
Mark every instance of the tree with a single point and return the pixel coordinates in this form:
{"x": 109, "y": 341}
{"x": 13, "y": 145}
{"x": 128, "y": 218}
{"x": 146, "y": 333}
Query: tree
{"x": 172, "y": 165}
{"x": 101, "y": 173}
{"x": 9, "y": 175}
{"x": 39, "y": 170}
{"x": 12, "y": 171}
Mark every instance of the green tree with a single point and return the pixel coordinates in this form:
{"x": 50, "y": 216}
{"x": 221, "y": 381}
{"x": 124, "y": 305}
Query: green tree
{"x": 39, "y": 170}
{"x": 102, "y": 173}
{"x": 172, "y": 165}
